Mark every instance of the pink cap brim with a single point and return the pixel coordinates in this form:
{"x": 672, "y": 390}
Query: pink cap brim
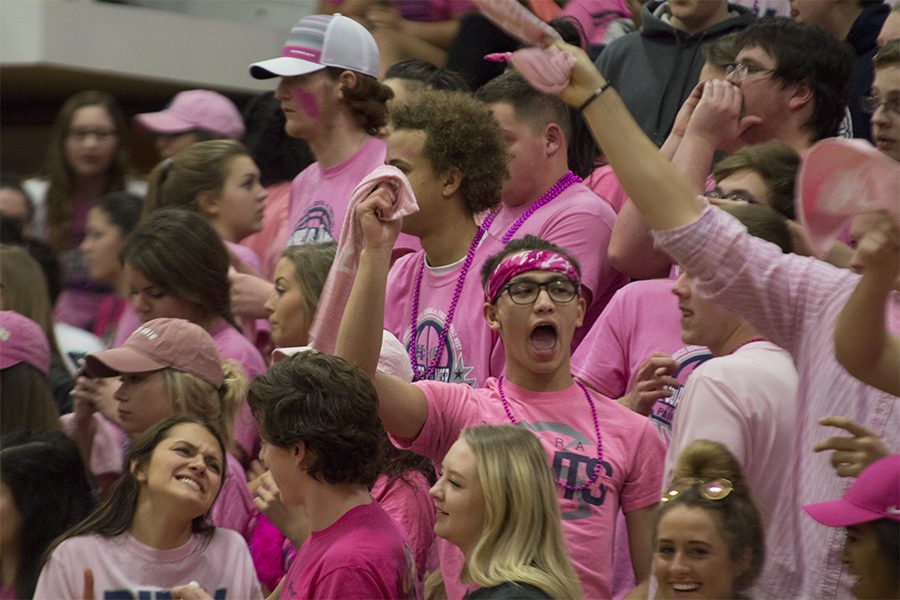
{"x": 283, "y": 66}
{"x": 840, "y": 513}
{"x": 164, "y": 122}
{"x": 109, "y": 363}
{"x": 840, "y": 179}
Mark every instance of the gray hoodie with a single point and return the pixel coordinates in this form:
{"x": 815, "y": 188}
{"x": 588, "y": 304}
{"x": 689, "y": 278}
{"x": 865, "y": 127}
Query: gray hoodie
{"x": 655, "y": 69}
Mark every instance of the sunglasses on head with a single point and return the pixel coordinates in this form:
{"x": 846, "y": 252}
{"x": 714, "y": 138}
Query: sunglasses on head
{"x": 711, "y": 489}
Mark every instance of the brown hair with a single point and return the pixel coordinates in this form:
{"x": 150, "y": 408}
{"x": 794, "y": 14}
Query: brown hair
{"x": 59, "y": 174}
{"x": 777, "y": 165}
{"x": 460, "y": 132}
{"x": 327, "y": 405}
{"x": 181, "y": 254}
{"x": 367, "y": 99}
{"x": 737, "y": 516}
{"x": 311, "y": 262}
{"x": 202, "y": 167}
{"x": 889, "y": 55}
{"x": 25, "y": 290}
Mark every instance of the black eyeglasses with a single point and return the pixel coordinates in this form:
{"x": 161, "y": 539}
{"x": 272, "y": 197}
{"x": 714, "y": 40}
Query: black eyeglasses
{"x": 712, "y": 489}
{"x": 740, "y": 71}
{"x": 870, "y": 104}
{"x": 526, "y": 291}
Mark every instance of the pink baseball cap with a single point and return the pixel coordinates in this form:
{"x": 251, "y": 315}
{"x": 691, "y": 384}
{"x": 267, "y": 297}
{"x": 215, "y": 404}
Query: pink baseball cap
{"x": 23, "y": 341}
{"x": 840, "y": 179}
{"x": 159, "y": 344}
{"x": 320, "y": 41}
{"x": 196, "y": 109}
{"x": 874, "y": 495}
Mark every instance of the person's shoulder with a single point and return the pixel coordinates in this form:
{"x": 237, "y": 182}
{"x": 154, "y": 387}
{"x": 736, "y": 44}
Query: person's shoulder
{"x": 509, "y": 591}
{"x": 226, "y": 539}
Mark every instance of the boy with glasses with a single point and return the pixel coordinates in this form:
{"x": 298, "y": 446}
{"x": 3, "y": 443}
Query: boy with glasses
{"x": 604, "y": 456}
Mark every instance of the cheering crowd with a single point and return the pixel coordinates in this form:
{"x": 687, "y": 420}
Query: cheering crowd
{"x": 586, "y": 301}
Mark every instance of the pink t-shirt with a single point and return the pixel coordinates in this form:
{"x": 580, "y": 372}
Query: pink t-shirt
{"x": 630, "y": 474}
{"x": 320, "y": 196}
{"x": 129, "y": 321}
{"x": 234, "y": 507}
{"x": 125, "y": 568}
{"x": 361, "y": 555}
{"x": 472, "y": 352}
{"x": 642, "y": 318}
{"x": 581, "y": 223}
{"x": 794, "y": 301}
{"x": 406, "y": 500}
{"x": 604, "y": 183}
{"x": 748, "y": 401}
{"x": 234, "y": 346}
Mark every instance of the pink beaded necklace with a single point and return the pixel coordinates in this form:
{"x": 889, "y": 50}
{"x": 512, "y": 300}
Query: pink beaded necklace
{"x": 428, "y": 371}
{"x": 562, "y": 183}
{"x": 596, "y": 474}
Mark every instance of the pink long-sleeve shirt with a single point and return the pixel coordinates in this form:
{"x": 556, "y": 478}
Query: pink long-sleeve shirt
{"x": 794, "y": 302}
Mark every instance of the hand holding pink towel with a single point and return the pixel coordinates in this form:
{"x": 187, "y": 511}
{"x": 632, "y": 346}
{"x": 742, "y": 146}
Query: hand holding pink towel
{"x": 324, "y": 330}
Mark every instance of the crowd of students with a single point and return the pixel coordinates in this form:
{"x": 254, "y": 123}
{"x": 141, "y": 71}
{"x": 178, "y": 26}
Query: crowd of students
{"x": 584, "y": 331}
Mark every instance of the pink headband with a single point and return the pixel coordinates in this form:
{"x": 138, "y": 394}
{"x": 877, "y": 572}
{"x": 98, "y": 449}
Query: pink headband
{"x": 532, "y": 260}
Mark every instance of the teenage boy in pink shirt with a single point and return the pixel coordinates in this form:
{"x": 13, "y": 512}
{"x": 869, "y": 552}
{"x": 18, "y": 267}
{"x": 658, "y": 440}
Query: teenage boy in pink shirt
{"x": 542, "y": 197}
{"x": 322, "y": 444}
{"x": 603, "y": 455}
{"x": 452, "y": 152}
{"x": 793, "y": 301}
{"x": 331, "y": 98}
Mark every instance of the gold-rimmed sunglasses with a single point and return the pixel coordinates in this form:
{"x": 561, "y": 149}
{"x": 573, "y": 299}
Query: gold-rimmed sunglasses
{"x": 711, "y": 489}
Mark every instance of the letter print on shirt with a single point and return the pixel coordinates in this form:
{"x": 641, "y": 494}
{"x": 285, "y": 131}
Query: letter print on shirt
{"x": 663, "y": 413}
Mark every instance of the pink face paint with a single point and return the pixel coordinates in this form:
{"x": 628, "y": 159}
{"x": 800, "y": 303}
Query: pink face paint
{"x": 307, "y": 102}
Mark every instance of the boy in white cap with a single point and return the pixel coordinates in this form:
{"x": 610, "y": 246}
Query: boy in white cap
{"x": 193, "y": 116}
{"x": 331, "y": 98}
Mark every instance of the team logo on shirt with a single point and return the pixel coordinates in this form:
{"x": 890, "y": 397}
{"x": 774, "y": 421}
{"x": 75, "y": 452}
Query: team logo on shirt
{"x": 573, "y": 462}
{"x": 314, "y": 227}
{"x": 688, "y": 359}
{"x": 450, "y": 367}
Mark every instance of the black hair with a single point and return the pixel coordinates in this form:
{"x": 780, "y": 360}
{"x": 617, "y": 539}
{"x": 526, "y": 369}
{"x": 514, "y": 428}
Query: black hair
{"x": 123, "y": 209}
{"x": 51, "y": 490}
{"x": 279, "y": 156}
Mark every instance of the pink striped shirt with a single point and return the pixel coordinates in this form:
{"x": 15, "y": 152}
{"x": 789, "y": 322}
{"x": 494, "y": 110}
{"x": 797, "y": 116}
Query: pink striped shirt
{"x": 794, "y": 301}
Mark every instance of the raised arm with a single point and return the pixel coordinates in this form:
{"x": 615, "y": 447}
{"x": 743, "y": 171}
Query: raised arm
{"x": 861, "y": 342}
{"x": 661, "y": 192}
{"x": 402, "y": 406}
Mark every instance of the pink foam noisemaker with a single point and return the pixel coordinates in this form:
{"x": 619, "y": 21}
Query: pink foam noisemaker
{"x": 840, "y": 179}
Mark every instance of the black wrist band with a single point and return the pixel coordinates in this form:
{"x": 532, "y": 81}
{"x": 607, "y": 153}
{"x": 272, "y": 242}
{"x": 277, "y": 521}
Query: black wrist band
{"x": 594, "y": 96}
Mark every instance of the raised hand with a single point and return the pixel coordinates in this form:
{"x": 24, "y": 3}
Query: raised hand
{"x": 378, "y": 232}
{"x": 654, "y": 382}
{"x": 717, "y": 116}
{"x": 851, "y": 454}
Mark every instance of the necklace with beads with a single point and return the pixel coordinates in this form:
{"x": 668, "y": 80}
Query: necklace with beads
{"x": 596, "y": 474}
{"x": 429, "y": 369}
{"x": 555, "y": 190}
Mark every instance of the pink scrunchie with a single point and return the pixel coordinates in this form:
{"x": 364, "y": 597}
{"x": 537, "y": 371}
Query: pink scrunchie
{"x": 532, "y": 260}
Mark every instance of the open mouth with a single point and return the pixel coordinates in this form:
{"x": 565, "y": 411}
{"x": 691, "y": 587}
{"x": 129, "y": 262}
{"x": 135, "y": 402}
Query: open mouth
{"x": 543, "y": 338}
{"x": 685, "y": 587}
{"x": 190, "y": 482}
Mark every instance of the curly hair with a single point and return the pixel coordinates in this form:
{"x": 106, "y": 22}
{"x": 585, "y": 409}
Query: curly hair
{"x": 461, "y": 132}
{"x": 327, "y": 405}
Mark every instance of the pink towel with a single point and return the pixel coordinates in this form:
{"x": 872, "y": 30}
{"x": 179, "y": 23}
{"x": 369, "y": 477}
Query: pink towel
{"x": 323, "y": 333}
{"x": 518, "y": 21}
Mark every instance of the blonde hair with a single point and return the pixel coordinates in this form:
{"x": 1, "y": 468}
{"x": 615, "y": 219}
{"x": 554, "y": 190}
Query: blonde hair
{"x": 522, "y": 540}
{"x": 311, "y": 263}
{"x": 202, "y": 167}
{"x": 197, "y": 398}
{"x": 25, "y": 290}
